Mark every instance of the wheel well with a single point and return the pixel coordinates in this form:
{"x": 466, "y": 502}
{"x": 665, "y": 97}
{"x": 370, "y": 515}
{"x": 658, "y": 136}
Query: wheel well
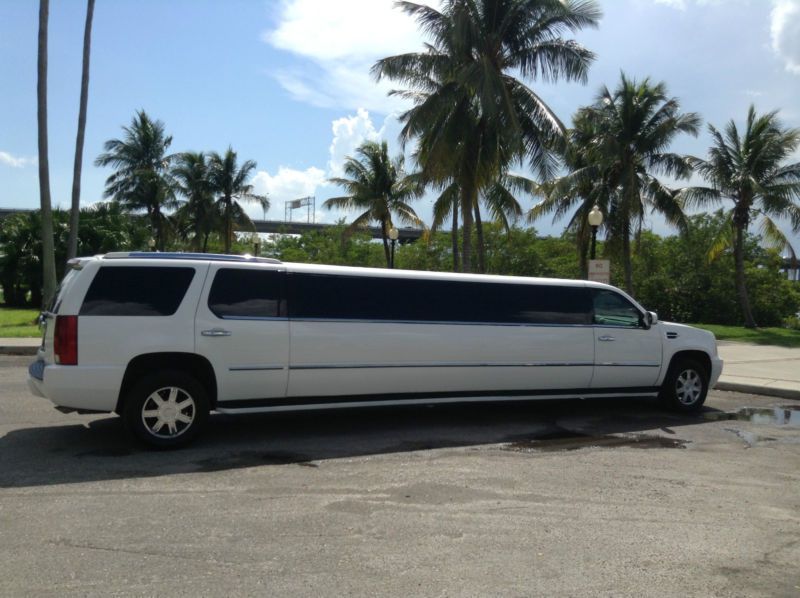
{"x": 699, "y": 356}
{"x": 196, "y": 365}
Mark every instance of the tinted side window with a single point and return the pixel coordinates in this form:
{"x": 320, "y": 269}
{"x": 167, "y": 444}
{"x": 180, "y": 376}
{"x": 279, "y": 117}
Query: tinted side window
{"x": 369, "y": 298}
{"x": 612, "y": 309}
{"x": 239, "y": 293}
{"x": 136, "y": 291}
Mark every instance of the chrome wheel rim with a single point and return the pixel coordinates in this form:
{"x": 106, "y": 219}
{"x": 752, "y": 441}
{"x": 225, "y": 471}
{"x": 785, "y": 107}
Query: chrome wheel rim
{"x": 688, "y": 387}
{"x": 168, "y": 412}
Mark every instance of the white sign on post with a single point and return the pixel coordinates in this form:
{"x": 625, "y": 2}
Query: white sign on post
{"x": 600, "y": 271}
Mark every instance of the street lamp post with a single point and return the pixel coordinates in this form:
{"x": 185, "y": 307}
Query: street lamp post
{"x": 393, "y": 235}
{"x": 595, "y": 220}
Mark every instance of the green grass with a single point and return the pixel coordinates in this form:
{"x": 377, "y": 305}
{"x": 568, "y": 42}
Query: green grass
{"x": 782, "y": 337}
{"x": 18, "y": 323}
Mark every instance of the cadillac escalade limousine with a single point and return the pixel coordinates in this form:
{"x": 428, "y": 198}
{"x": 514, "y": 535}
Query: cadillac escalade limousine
{"x": 163, "y": 339}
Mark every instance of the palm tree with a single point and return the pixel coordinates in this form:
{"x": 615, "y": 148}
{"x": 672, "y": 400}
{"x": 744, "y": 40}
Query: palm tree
{"x": 499, "y": 199}
{"x": 379, "y": 186}
{"x": 229, "y": 182}
{"x": 142, "y": 178}
{"x": 48, "y": 250}
{"x": 198, "y": 216}
{"x": 750, "y": 170}
{"x": 582, "y": 187}
{"x": 74, "y": 220}
{"x": 472, "y": 117}
{"x": 624, "y": 137}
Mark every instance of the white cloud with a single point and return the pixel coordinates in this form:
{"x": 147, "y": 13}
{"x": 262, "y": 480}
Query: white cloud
{"x": 341, "y": 41}
{"x": 348, "y": 133}
{"x": 785, "y": 33}
{"x": 684, "y": 4}
{"x": 679, "y": 4}
{"x": 286, "y": 184}
{"x": 14, "y": 161}
{"x": 351, "y": 131}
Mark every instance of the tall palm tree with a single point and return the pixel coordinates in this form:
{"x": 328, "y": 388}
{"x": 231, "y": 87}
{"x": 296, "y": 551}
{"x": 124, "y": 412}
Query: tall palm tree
{"x": 379, "y": 186}
{"x": 749, "y": 169}
{"x": 199, "y": 216}
{"x": 584, "y": 185}
{"x": 629, "y": 133}
{"x": 472, "y": 116}
{"x": 74, "y": 220}
{"x": 48, "y": 250}
{"x": 142, "y": 178}
{"x": 229, "y": 182}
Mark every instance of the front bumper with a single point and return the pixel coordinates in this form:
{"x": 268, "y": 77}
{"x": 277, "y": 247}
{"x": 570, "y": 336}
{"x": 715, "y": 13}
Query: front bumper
{"x": 716, "y": 371}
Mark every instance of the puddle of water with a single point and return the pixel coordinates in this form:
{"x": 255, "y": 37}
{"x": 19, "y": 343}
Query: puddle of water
{"x": 787, "y": 415}
{"x": 571, "y": 441}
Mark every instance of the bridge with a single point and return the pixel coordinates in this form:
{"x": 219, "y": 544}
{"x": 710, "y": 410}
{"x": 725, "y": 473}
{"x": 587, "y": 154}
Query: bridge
{"x": 406, "y": 235}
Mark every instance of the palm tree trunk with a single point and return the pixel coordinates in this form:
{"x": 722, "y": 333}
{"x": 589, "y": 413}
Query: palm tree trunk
{"x": 74, "y": 218}
{"x": 741, "y": 287}
{"x": 48, "y": 252}
{"x": 228, "y": 224}
{"x": 626, "y": 257}
{"x": 385, "y": 239}
{"x": 454, "y": 239}
{"x": 481, "y": 245}
{"x": 466, "y": 214}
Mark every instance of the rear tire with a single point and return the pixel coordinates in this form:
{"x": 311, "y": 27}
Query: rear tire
{"x": 166, "y": 409}
{"x": 685, "y": 386}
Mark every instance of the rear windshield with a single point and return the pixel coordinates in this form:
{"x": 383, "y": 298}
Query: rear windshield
{"x": 136, "y": 291}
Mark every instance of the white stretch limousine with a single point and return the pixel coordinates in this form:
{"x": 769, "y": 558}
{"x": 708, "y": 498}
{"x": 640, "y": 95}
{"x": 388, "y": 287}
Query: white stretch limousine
{"x": 162, "y": 339}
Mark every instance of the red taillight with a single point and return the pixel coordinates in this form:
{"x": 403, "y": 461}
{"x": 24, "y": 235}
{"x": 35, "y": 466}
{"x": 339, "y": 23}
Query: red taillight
{"x": 65, "y": 345}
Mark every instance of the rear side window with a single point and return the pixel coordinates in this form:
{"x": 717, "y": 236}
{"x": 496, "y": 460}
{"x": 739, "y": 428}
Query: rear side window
{"x": 398, "y": 299}
{"x": 240, "y": 293}
{"x": 136, "y": 291}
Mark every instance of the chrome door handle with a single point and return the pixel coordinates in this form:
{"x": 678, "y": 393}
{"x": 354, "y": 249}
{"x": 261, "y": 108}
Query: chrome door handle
{"x": 605, "y": 337}
{"x": 216, "y": 332}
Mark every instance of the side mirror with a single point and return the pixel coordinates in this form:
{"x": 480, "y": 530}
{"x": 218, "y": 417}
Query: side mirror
{"x": 651, "y": 318}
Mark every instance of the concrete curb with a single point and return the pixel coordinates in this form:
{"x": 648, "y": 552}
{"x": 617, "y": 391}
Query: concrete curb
{"x": 18, "y": 350}
{"x": 753, "y": 389}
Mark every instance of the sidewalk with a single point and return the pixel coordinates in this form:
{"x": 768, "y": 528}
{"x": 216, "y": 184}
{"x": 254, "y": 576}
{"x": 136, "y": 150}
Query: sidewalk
{"x": 19, "y": 346}
{"x": 760, "y": 369}
{"x": 756, "y": 369}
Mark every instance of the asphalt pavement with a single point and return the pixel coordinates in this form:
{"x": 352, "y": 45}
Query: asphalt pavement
{"x": 551, "y": 498}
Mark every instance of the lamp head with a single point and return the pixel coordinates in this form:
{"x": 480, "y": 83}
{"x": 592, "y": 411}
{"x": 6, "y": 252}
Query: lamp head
{"x": 595, "y": 216}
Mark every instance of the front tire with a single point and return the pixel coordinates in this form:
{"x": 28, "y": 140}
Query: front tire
{"x": 686, "y": 386}
{"x": 166, "y": 409}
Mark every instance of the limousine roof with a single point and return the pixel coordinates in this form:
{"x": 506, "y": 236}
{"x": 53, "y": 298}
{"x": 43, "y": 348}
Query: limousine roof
{"x": 345, "y": 270}
{"x": 427, "y": 275}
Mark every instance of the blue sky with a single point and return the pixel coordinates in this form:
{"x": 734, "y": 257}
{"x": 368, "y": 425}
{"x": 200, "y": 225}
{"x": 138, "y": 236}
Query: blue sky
{"x": 286, "y": 83}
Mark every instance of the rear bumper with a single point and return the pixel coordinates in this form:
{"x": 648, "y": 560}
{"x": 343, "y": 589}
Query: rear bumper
{"x": 76, "y": 387}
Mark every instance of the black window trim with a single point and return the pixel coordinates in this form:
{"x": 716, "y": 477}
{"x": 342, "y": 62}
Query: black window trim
{"x": 289, "y": 291}
{"x": 108, "y": 268}
{"x": 283, "y": 297}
